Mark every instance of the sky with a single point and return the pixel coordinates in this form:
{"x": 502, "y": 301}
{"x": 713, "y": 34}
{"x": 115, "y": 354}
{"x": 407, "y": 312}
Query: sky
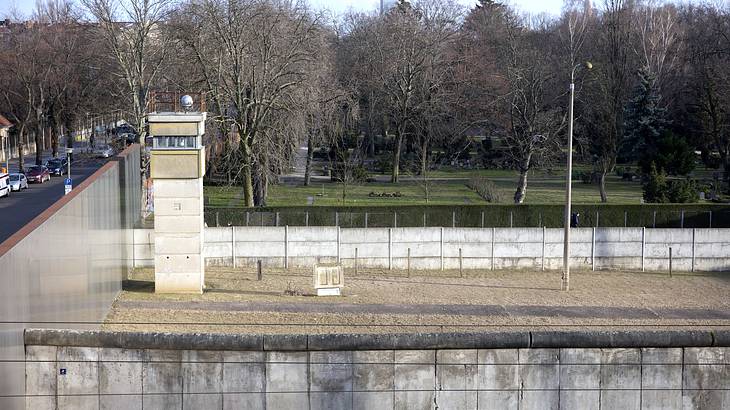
{"x": 340, "y": 6}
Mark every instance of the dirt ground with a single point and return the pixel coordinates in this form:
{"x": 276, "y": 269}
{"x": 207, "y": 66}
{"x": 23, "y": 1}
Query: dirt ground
{"x": 390, "y": 302}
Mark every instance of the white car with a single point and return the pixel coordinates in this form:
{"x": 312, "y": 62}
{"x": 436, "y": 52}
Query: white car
{"x": 4, "y": 185}
{"x": 18, "y": 182}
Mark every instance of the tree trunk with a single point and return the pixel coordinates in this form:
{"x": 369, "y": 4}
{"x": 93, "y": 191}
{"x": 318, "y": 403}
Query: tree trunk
{"x": 54, "y": 142}
{"x": 521, "y": 187}
{"x": 396, "y": 154}
{"x": 39, "y": 148}
{"x": 602, "y": 187}
{"x": 310, "y": 157}
{"x": 246, "y": 163}
{"x": 21, "y": 157}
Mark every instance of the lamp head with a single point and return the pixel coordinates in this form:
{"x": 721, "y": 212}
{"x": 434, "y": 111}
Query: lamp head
{"x": 588, "y": 65}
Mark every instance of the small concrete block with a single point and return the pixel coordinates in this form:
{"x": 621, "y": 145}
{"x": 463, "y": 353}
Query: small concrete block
{"x": 243, "y": 372}
{"x": 456, "y": 379}
{"x": 162, "y": 401}
{"x": 456, "y": 400}
{"x": 162, "y": 373}
{"x": 248, "y": 401}
{"x": 81, "y": 368}
{"x": 661, "y": 400}
{"x": 120, "y": 371}
{"x": 498, "y": 400}
{"x": 539, "y": 369}
{"x": 202, "y": 401}
{"x": 37, "y": 403}
{"x": 120, "y": 402}
{"x": 372, "y": 400}
{"x": 661, "y": 368}
{"x": 705, "y": 368}
{"x": 40, "y": 370}
{"x": 286, "y": 372}
{"x": 373, "y": 371}
{"x": 78, "y": 402}
{"x": 414, "y": 379}
{"x": 287, "y": 401}
{"x": 498, "y": 370}
{"x": 202, "y": 372}
{"x": 330, "y": 371}
{"x": 327, "y": 401}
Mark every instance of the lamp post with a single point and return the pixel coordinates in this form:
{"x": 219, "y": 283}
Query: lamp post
{"x": 568, "y": 182}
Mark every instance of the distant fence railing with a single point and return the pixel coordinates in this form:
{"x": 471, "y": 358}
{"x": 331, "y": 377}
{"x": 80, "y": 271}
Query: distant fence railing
{"x": 550, "y": 216}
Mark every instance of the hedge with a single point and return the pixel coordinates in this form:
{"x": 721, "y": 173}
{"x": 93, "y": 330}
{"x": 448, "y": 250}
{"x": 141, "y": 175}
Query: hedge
{"x": 551, "y": 216}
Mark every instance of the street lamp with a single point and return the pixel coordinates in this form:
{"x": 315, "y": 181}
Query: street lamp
{"x": 569, "y": 179}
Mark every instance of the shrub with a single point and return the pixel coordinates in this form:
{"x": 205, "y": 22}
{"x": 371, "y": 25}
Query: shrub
{"x": 485, "y": 188}
{"x": 683, "y": 191}
{"x": 655, "y": 188}
{"x": 658, "y": 190}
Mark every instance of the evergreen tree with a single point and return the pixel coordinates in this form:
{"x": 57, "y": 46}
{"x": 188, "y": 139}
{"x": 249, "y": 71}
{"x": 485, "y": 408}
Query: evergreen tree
{"x": 674, "y": 155}
{"x": 655, "y": 188}
{"x": 644, "y": 123}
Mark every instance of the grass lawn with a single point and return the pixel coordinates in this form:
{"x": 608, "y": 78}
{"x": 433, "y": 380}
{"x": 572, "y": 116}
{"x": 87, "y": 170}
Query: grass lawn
{"x": 448, "y": 188}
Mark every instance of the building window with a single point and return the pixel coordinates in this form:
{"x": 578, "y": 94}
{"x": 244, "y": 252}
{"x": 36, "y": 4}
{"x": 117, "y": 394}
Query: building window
{"x": 176, "y": 142}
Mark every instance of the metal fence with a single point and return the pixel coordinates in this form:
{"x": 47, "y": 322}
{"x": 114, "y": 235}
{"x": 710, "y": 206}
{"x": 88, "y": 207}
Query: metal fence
{"x": 481, "y": 219}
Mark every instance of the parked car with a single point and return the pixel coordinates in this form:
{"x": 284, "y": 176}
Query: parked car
{"x": 104, "y": 151}
{"x": 56, "y": 166}
{"x": 18, "y": 182}
{"x": 38, "y": 173}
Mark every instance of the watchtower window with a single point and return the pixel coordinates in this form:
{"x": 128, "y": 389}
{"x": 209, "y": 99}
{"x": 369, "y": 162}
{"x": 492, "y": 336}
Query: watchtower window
{"x": 178, "y": 142}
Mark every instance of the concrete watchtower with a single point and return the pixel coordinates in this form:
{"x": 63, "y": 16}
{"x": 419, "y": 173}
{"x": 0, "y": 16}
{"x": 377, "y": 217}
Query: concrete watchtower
{"x": 177, "y": 165}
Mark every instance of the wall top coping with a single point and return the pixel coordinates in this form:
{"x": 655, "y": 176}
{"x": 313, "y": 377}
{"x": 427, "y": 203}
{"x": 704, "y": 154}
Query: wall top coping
{"x": 427, "y": 341}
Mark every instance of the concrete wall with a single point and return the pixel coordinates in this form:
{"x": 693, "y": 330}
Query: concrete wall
{"x": 439, "y": 248}
{"x": 134, "y": 377}
{"x": 66, "y": 265}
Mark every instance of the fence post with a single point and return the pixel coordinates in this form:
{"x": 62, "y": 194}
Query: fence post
{"x": 408, "y": 263}
{"x": 693, "y": 249}
{"x": 247, "y": 218}
{"x": 337, "y": 218}
{"x": 366, "y": 219}
{"x": 493, "y": 239}
{"x": 626, "y": 219}
{"x": 395, "y": 219}
{"x": 539, "y": 219}
{"x": 598, "y": 214}
{"x": 670, "y": 261}
{"x": 543, "y": 248}
{"x": 653, "y": 224}
{"x": 338, "y": 244}
{"x": 286, "y": 247}
{"x": 217, "y": 224}
{"x": 482, "y": 219}
{"x": 306, "y": 218}
{"x": 233, "y": 246}
{"x": 424, "y": 219}
{"x": 390, "y": 249}
{"x": 643, "y": 247}
{"x": 710, "y": 220}
{"x": 277, "y": 219}
{"x": 442, "y": 248}
{"x": 510, "y": 219}
{"x": 681, "y": 219}
{"x": 259, "y": 271}
{"x": 453, "y": 219}
{"x": 461, "y": 265}
{"x": 355, "y": 261}
{"x": 593, "y": 250}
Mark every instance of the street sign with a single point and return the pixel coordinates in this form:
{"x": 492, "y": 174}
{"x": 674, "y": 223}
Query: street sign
{"x": 67, "y": 185}
{"x": 69, "y": 150}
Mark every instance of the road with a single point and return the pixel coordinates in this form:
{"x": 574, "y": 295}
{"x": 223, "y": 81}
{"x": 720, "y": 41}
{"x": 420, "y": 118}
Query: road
{"x": 21, "y": 207}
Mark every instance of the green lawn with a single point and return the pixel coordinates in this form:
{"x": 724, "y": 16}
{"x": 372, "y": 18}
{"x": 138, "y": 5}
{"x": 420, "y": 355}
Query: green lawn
{"x": 541, "y": 188}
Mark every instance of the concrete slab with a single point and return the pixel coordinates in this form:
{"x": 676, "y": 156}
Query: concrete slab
{"x": 162, "y": 373}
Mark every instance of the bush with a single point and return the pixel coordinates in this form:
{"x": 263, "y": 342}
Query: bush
{"x": 683, "y": 191}
{"x": 485, "y": 188}
{"x": 658, "y": 190}
{"x": 655, "y": 188}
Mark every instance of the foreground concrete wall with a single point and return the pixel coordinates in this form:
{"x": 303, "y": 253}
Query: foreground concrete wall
{"x": 449, "y": 248}
{"x": 82, "y": 377}
{"x": 66, "y": 265}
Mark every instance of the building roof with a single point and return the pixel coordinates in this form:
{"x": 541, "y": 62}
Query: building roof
{"x": 4, "y": 122}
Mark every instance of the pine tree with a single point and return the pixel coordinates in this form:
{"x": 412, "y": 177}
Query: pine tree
{"x": 645, "y": 122}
